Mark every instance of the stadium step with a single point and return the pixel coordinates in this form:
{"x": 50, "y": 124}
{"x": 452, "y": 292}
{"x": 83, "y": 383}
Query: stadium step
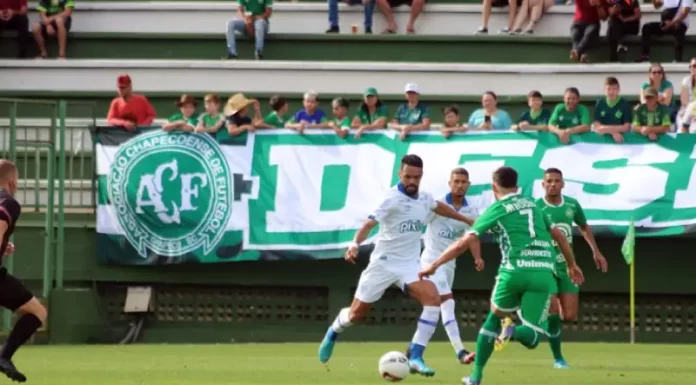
{"x": 212, "y": 17}
{"x": 344, "y": 47}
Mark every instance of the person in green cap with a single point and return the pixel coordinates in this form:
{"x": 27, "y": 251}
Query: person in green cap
{"x": 340, "y": 122}
{"x": 569, "y": 117}
{"x": 372, "y": 114}
{"x": 652, "y": 118}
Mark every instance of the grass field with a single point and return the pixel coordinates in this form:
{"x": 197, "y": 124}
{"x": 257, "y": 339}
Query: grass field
{"x": 353, "y": 363}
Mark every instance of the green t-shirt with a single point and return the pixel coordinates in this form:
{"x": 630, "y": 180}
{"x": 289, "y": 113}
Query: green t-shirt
{"x": 540, "y": 118}
{"x": 612, "y": 114}
{"x": 563, "y": 216}
{"x": 659, "y": 117}
{"x": 209, "y": 120}
{"x": 663, "y": 87}
{"x": 564, "y": 119}
{"x": 523, "y": 234}
{"x": 343, "y": 124}
{"x": 366, "y": 118}
{"x": 54, "y": 7}
{"x": 274, "y": 120}
{"x": 256, "y": 7}
{"x": 405, "y": 115}
{"x": 191, "y": 121}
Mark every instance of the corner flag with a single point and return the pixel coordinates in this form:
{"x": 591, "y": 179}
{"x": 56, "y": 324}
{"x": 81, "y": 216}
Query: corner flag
{"x": 628, "y": 251}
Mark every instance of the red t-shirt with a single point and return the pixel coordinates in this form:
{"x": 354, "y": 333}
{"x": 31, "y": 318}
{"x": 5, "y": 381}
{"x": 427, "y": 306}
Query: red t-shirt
{"x": 14, "y": 5}
{"x": 138, "y": 110}
{"x": 587, "y": 13}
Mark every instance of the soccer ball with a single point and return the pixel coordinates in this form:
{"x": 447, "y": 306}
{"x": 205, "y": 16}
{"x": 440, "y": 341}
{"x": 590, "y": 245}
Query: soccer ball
{"x": 393, "y": 366}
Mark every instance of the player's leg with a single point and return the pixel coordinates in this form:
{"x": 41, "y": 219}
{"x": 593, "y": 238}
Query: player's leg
{"x": 534, "y": 310}
{"x": 14, "y": 296}
{"x": 567, "y": 312}
{"x": 425, "y": 292}
{"x": 444, "y": 278}
{"x": 553, "y": 328}
{"x": 504, "y": 300}
{"x": 374, "y": 281}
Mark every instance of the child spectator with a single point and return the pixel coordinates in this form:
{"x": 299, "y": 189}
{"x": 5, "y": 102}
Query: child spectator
{"x": 277, "y": 118}
{"x": 310, "y": 116}
{"x": 612, "y": 114}
{"x": 212, "y": 120}
{"x": 186, "y": 119}
{"x": 451, "y": 124}
{"x": 651, "y": 118}
{"x": 56, "y": 19}
{"x": 238, "y": 120}
{"x": 536, "y": 118}
{"x": 341, "y": 122}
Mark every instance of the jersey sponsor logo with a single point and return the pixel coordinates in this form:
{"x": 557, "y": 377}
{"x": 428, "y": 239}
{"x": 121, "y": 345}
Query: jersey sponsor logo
{"x": 518, "y": 205}
{"x": 522, "y": 264}
{"x": 536, "y": 253}
{"x": 569, "y": 212}
{"x": 450, "y": 233}
{"x": 411, "y": 226}
{"x": 172, "y": 192}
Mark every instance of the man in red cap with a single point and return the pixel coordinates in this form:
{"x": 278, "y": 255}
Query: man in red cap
{"x": 129, "y": 110}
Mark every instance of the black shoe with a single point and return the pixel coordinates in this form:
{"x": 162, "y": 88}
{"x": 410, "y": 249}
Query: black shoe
{"x": 259, "y": 55}
{"x": 230, "y": 57}
{"x": 368, "y": 31}
{"x": 7, "y": 367}
{"x": 332, "y": 30}
{"x": 643, "y": 59}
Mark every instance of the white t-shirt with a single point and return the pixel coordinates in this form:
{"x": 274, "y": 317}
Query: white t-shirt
{"x": 401, "y": 220}
{"x": 442, "y": 232}
{"x": 681, "y": 4}
{"x": 686, "y": 84}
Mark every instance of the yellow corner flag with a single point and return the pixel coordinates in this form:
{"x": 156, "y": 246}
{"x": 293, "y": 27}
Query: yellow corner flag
{"x": 628, "y": 249}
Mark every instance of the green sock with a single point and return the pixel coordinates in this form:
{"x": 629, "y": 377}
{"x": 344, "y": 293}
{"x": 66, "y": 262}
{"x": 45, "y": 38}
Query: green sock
{"x": 485, "y": 344}
{"x": 527, "y": 336}
{"x": 554, "y": 330}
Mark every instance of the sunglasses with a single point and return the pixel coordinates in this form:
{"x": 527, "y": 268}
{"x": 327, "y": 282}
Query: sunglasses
{"x": 657, "y": 72}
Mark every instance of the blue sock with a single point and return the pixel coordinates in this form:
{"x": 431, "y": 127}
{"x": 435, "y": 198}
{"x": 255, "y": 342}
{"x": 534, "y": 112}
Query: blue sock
{"x": 416, "y": 350}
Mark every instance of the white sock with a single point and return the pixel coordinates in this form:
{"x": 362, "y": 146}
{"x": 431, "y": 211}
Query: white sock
{"x": 426, "y": 325}
{"x": 342, "y": 320}
{"x": 449, "y": 321}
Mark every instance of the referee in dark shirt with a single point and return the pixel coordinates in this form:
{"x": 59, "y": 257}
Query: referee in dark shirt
{"x": 13, "y": 294}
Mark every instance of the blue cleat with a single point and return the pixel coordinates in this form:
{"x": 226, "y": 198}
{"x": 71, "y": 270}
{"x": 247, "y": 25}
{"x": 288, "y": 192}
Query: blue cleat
{"x": 327, "y": 346}
{"x": 561, "y": 364}
{"x": 417, "y": 365}
{"x": 465, "y": 357}
{"x": 469, "y": 381}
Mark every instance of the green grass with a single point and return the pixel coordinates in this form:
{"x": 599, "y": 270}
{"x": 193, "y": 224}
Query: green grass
{"x": 289, "y": 364}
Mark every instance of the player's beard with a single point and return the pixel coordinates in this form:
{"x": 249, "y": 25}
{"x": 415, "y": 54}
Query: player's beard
{"x": 412, "y": 189}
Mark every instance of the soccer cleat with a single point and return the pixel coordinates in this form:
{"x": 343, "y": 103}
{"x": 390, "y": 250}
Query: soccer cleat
{"x": 8, "y": 368}
{"x": 417, "y": 365}
{"x": 465, "y": 357}
{"x": 469, "y": 381}
{"x": 561, "y": 364}
{"x": 505, "y": 335}
{"x": 327, "y": 346}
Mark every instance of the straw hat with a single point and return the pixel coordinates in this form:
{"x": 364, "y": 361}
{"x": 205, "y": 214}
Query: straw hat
{"x": 236, "y": 103}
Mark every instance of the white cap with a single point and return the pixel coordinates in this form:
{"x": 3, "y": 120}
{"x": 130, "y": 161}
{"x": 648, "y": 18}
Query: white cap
{"x": 412, "y": 87}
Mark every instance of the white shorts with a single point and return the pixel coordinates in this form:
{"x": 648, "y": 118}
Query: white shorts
{"x": 443, "y": 277}
{"x": 380, "y": 274}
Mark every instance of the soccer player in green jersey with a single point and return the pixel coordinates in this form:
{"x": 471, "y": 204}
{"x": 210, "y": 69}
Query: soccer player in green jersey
{"x": 525, "y": 280}
{"x": 563, "y": 211}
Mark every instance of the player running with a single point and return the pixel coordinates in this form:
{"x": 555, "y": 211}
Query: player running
{"x": 525, "y": 279}
{"x": 441, "y": 232}
{"x": 13, "y": 295}
{"x": 562, "y": 211}
{"x": 395, "y": 261}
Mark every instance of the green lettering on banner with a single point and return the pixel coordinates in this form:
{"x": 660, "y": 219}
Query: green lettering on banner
{"x": 315, "y": 190}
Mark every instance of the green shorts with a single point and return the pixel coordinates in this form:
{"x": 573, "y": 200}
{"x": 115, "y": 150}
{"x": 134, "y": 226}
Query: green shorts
{"x": 564, "y": 285}
{"x": 528, "y": 293}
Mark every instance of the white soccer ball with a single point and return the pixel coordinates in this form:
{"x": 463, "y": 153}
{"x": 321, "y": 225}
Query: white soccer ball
{"x": 393, "y": 366}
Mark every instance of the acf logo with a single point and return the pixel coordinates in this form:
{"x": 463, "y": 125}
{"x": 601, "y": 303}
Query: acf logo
{"x": 172, "y": 192}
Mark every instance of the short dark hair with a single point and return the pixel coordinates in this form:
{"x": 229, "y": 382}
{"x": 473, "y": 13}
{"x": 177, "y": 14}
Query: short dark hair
{"x": 412, "y": 160}
{"x": 505, "y": 177}
{"x": 611, "y": 81}
{"x": 277, "y": 102}
{"x": 495, "y": 97}
{"x": 553, "y": 170}
{"x": 460, "y": 171}
{"x": 340, "y": 102}
{"x": 573, "y": 90}
{"x": 534, "y": 94}
{"x": 451, "y": 109}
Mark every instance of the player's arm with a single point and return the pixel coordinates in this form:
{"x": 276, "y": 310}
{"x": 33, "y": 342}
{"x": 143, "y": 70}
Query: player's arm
{"x": 458, "y": 248}
{"x": 573, "y": 268}
{"x": 447, "y": 211}
{"x": 372, "y": 220}
{"x": 584, "y": 227}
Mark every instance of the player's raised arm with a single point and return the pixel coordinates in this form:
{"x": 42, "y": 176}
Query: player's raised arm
{"x": 447, "y": 211}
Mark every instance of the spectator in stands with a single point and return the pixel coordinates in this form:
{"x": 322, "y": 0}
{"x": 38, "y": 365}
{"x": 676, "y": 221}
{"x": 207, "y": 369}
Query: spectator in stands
{"x": 385, "y": 6}
{"x": 129, "y": 110}
{"x": 569, "y": 117}
{"x": 253, "y": 19}
{"x": 584, "y": 32}
{"x": 688, "y": 90}
{"x": 451, "y": 124}
{"x": 674, "y": 21}
{"x": 372, "y": 113}
{"x": 212, "y": 120}
{"x": 56, "y": 19}
{"x": 412, "y": 115}
{"x": 13, "y": 16}
{"x": 278, "y": 117}
{"x": 341, "y": 122}
{"x": 187, "y": 117}
{"x": 657, "y": 79}
{"x": 686, "y": 124}
{"x": 612, "y": 114}
{"x": 536, "y": 118}
{"x": 368, "y": 5}
{"x": 489, "y": 117}
{"x": 652, "y": 117}
{"x": 310, "y": 116}
{"x": 534, "y": 9}
{"x": 624, "y": 20}
{"x": 488, "y": 6}
{"x": 239, "y": 122}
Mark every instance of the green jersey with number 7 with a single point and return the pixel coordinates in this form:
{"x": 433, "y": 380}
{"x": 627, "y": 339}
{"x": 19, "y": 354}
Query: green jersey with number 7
{"x": 523, "y": 233}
